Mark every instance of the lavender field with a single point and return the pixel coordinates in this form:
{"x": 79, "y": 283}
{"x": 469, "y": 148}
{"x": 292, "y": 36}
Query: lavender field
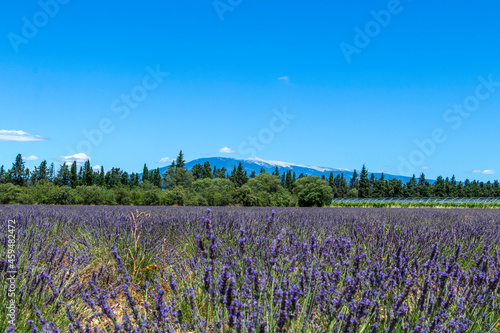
{"x": 181, "y": 269}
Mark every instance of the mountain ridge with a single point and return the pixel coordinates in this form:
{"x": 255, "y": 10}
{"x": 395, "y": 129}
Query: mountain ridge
{"x": 255, "y": 164}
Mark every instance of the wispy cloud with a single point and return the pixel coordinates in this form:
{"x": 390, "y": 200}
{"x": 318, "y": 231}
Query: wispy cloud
{"x": 79, "y": 158}
{"x": 19, "y": 136}
{"x": 485, "y": 172}
{"x": 165, "y": 160}
{"x": 425, "y": 168}
{"x": 285, "y": 79}
{"x": 226, "y": 150}
{"x": 31, "y": 158}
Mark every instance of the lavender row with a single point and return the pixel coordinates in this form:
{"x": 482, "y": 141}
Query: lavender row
{"x": 182, "y": 269}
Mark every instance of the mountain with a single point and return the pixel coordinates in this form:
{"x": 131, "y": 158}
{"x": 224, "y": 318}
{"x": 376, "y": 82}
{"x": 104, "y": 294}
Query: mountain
{"x": 255, "y": 164}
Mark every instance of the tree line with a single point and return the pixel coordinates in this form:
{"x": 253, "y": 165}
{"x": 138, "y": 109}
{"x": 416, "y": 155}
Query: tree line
{"x": 206, "y": 185}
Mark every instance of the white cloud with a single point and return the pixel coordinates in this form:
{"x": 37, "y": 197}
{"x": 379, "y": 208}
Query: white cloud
{"x": 226, "y": 150}
{"x": 96, "y": 168}
{"x": 19, "y": 136}
{"x": 425, "y": 168}
{"x": 31, "y": 158}
{"x": 485, "y": 172}
{"x": 284, "y": 79}
{"x": 165, "y": 160}
{"x": 79, "y": 158}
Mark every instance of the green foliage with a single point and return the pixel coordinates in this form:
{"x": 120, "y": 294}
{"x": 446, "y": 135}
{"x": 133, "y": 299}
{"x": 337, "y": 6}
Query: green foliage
{"x": 283, "y": 198}
{"x": 18, "y": 172}
{"x": 313, "y": 192}
{"x": 123, "y": 196}
{"x": 44, "y": 192}
{"x": 202, "y": 185}
{"x": 264, "y": 182}
{"x": 217, "y": 191}
{"x": 151, "y": 197}
{"x": 95, "y": 195}
{"x": 239, "y": 176}
{"x": 10, "y": 193}
{"x": 364, "y": 184}
{"x": 352, "y": 193}
{"x": 65, "y": 196}
{"x": 176, "y": 196}
{"x": 246, "y": 197}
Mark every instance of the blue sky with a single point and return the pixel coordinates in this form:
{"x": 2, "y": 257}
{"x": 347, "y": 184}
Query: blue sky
{"x": 402, "y": 86}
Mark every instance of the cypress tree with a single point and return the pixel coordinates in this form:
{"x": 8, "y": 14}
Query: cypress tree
{"x": 354, "y": 180}
{"x": 102, "y": 177}
{"x": 364, "y": 183}
{"x": 73, "y": 178}
{"x": 2, "y": 175}
{"x": 207, "y": 171}
{"x": 145, "y": 173}
{"x": 18, "y": 173}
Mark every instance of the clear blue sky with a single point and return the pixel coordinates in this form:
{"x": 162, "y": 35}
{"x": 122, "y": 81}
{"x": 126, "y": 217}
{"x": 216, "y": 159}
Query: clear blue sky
{"x": 351, "y": 97}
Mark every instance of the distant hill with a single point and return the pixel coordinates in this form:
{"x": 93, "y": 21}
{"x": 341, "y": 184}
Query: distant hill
{"x": 256, "y": 164}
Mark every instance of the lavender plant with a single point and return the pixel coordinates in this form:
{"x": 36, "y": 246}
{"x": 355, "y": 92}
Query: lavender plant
{"x": 181, "y": 269}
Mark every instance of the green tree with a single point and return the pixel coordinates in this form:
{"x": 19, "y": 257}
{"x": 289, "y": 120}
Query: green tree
{"x": 73, "y": 175}
{"x": 245, "y": 196}
{"x": 181, "y": 176}
{"x": 394, "y": 188}
{"x": 155, "y": 177}
{"x": 423, "y": 186}
{"x": 289, "y": 180}
{"x": 40, "y": 173}
{"x": 238, "y": 176}
{"x": 313, "y": 191}
{"x": 216, "y": 192}
{"x": 145, "y": 174}
{"x": 207, "y": 171}
{"x": 352, "y": 193}
{"x": 264, "y": 182}
{"x": 63, "y": 177}
{"x": 65, "y": 196}
{"x": 88, "y": 173}
{"x": 177, "y": 175}
{"x": 340, "y": 186}
{"x": 102, "y": 177}
{"x": 10, "y": 194}
{"x": 439, "y": 187}
{"x": 18, "y": 173}
{"x": 179, "y": 161}
{"x": 379, "y": 188}
{"x": 197, "y": 171}
{"x": 354, "y": 181}
{"x": 3, "y": 175}
{"x": 219, "y": 173}
{"x": 411, "y": 187}
{"x": 364, "y": 183}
